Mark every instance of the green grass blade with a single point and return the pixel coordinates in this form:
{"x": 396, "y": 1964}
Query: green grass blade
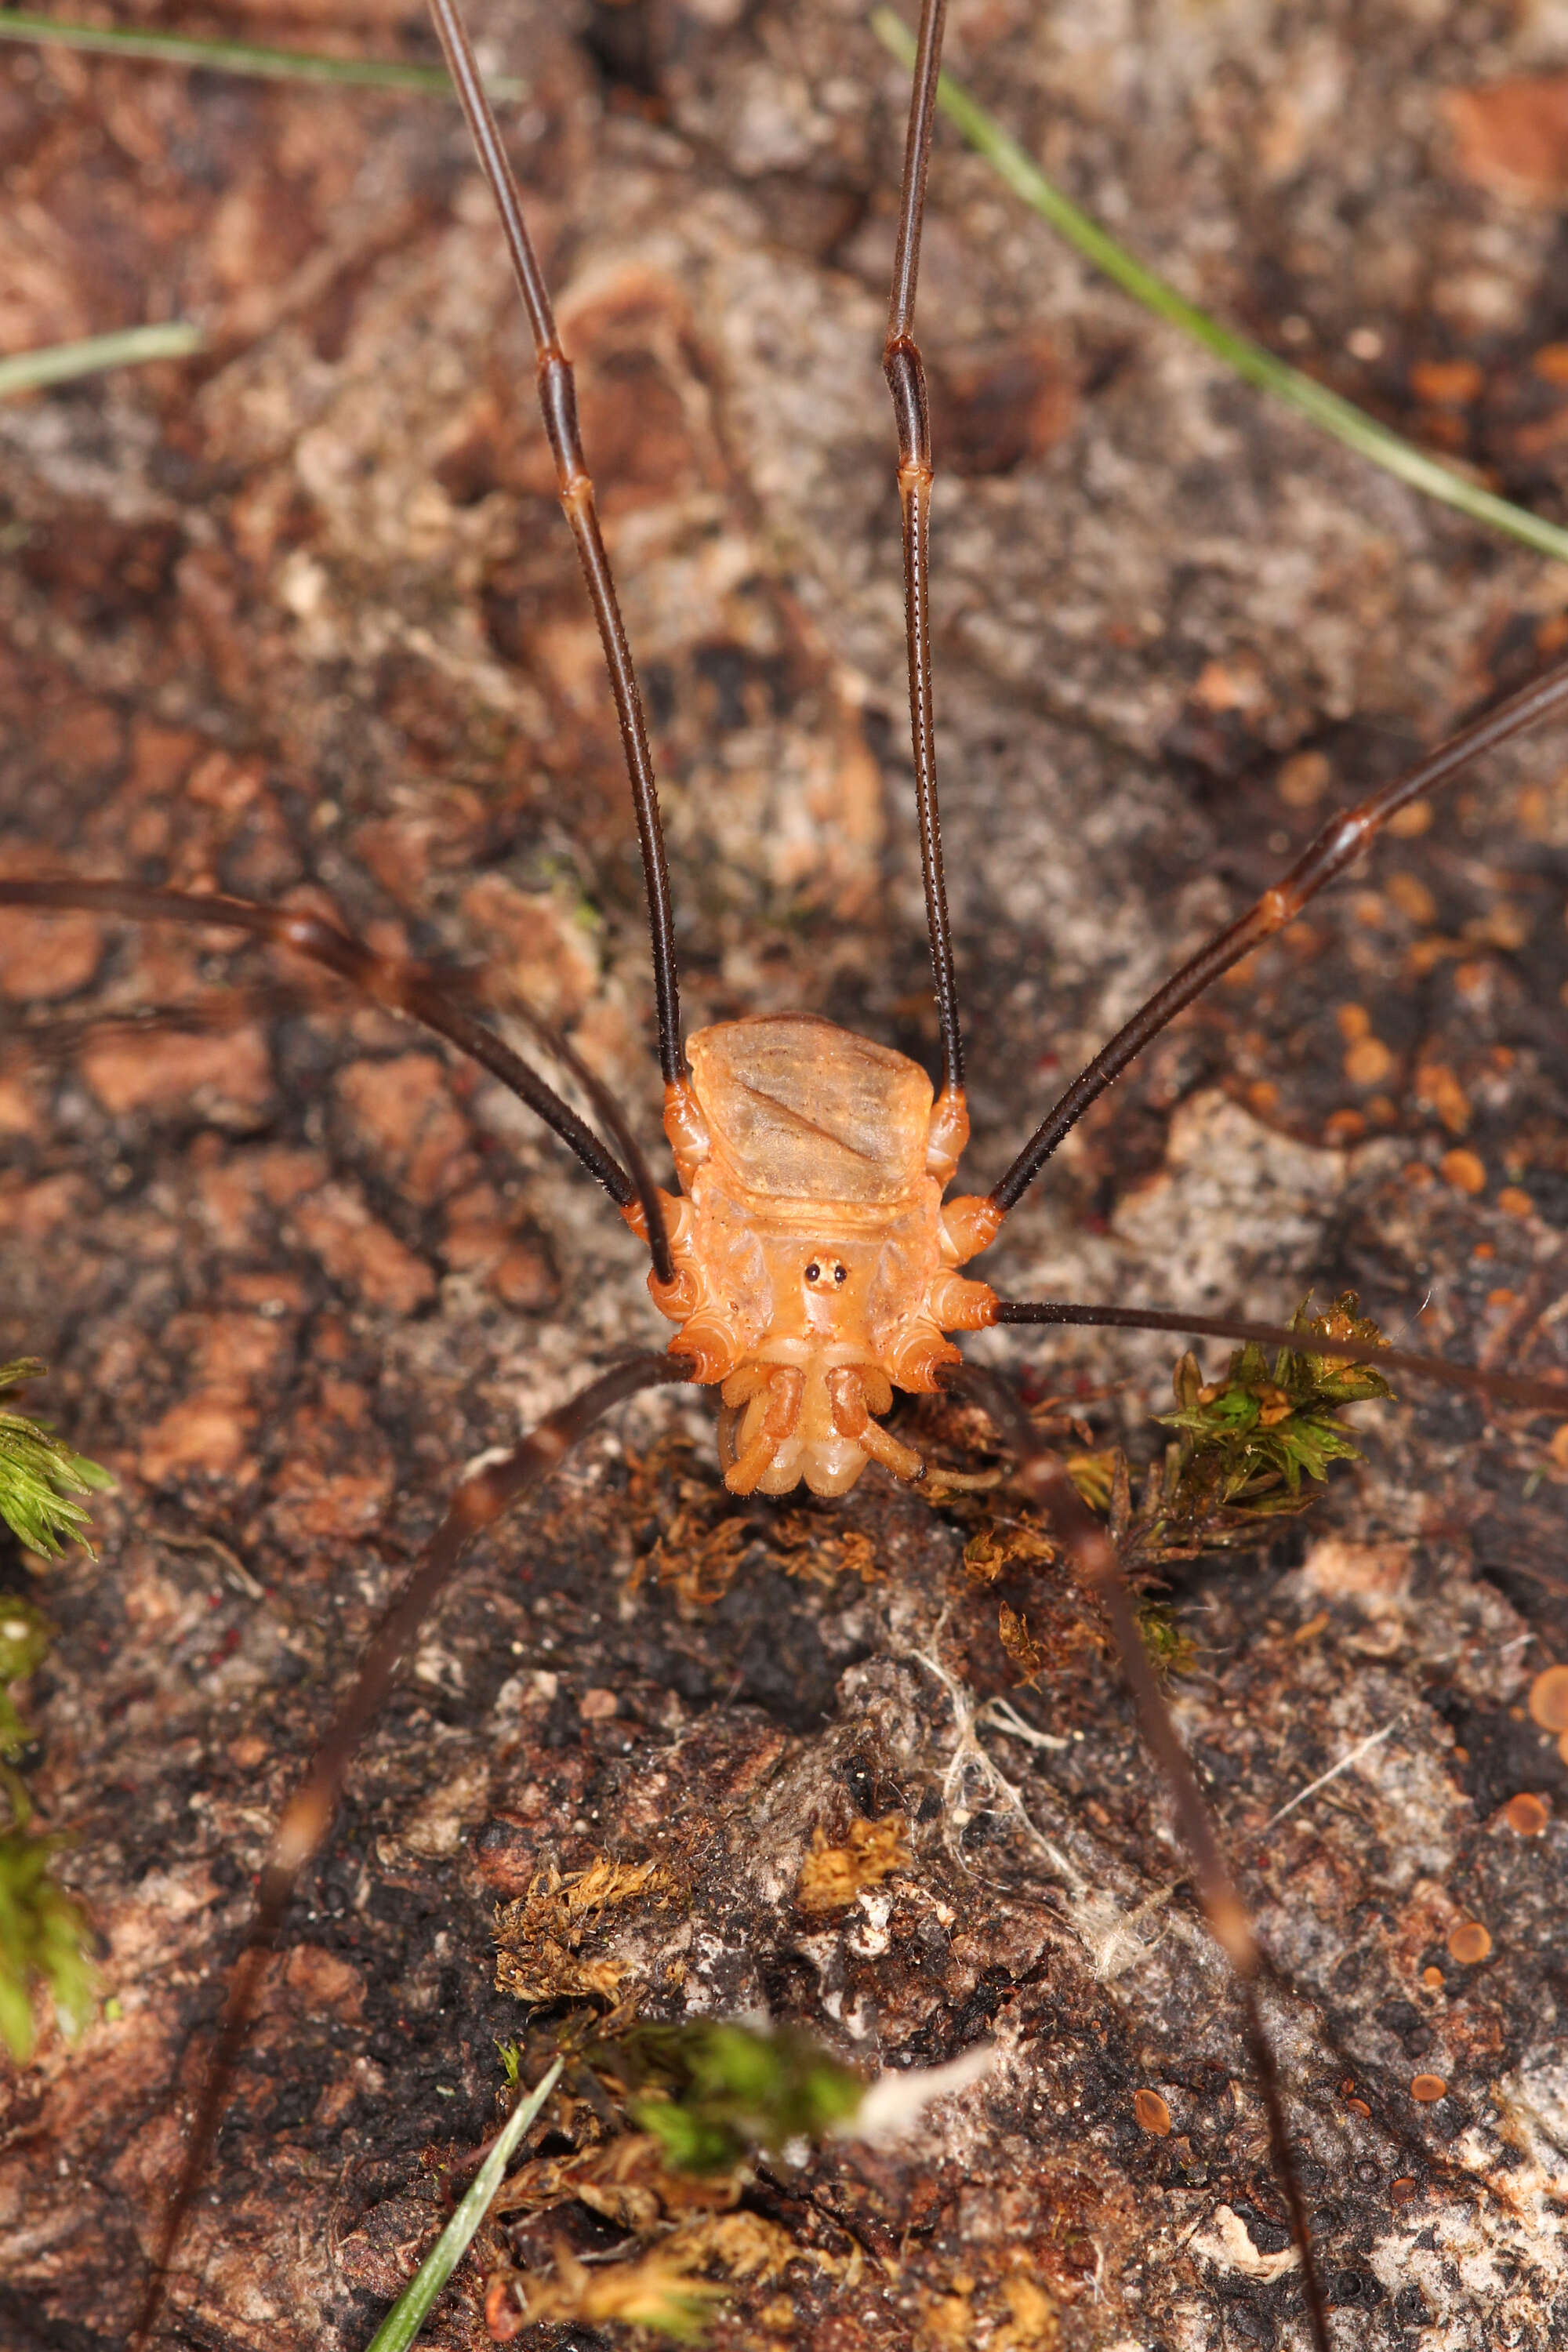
{"x": 58, "y": 362}
{"x": 1249, "y": 360}
{"x": 409, "y": 2314}
{"x": 240, "y": 56}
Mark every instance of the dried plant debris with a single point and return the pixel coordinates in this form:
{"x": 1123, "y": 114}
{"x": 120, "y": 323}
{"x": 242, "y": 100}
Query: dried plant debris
{"x": 699, "y": 2194}
{"x": 998, "y": 1550}
{"x": 690, "y": 2141}
{"x": 1013, "y": 2314}
{"x": 1020, "y": 1645}
{"x": 696, "y": 1542}
{"x": 656, "y": 2291}
{"x": 698, "y": 2103}
{"x": 1004, "y": 1545}
{"x": 630, "y": 2180}
{"x": 833, "y": 1876}
{"x": 556, "y": 1938}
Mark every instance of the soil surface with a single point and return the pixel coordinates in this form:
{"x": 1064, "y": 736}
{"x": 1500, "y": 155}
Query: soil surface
{"x": 300, "y": 619}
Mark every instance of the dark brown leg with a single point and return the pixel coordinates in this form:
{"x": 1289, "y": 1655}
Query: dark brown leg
{"x": 905, "y": 372}
{"x": 405, "y": 987}
{"x": 1093, "y": 1557}
{"x": 1503, "y": 1388}
{"x": 478, "y": 1502}
{"x": 558, "y": 404}
{"x": 1340, "y": 840}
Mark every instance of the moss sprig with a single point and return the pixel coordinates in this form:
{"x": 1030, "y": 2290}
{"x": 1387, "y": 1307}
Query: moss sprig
{"x": 44, "y": 1938}
{"x": 44, "y": 1935}
{"x": 709, "y": 2093}
{"x": 40, "y": 1475}
{"x": 1250, "y": 1447}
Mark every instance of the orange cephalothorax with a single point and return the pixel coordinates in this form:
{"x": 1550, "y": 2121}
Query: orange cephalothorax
{"x": 814, "y": 1260}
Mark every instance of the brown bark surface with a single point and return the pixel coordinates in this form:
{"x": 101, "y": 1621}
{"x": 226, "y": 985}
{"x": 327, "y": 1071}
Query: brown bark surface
{"x": 302, "y": 616}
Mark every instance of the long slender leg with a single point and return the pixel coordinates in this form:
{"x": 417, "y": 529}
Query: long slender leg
{"x": 478, "y": 1502}
{"x": 1340, "y": 840}
{"x": 1093, "y": 1556}
{"x": 1503, "y": 1388}
{"x": 558, "y": 405}
{"x": 405, "y": 988}
{"x": 905, "y": 372}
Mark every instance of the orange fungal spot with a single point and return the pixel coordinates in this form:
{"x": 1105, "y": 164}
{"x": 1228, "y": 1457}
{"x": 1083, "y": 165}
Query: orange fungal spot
{"x": 1412, "y": 897}
{"x": 1303, "y": 780}
{"x": 1369, "y": 1063}
{"x": 1469, "y": 1943}
{"x": 1549, "y": 1699}
{"x": 1437, "y": 1087}
{"x": 1449, "y": 384}
{"x": 1152, "y": 2114}
{"x": 1464, "y": 1171}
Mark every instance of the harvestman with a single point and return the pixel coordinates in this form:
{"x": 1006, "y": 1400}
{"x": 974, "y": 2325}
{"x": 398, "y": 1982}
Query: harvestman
{"x": 809, "y": 1259}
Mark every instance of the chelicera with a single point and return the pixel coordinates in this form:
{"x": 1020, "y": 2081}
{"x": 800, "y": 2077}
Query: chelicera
{"x": 810, "y": 1259}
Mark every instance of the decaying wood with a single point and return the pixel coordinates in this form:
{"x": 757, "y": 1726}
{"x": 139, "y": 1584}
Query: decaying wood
{"x": 303, "y": 617}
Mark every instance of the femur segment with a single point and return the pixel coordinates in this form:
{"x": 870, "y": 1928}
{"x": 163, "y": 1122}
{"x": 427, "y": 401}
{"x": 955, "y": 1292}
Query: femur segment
{"x": 814, "y": 1263}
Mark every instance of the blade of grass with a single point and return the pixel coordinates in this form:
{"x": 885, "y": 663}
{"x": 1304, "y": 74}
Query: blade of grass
{"x": 58, "y": 362}
{"x": 407, "y": 2315}
{"x": 1338, "y": 418}
{"x": 241, "y": 57}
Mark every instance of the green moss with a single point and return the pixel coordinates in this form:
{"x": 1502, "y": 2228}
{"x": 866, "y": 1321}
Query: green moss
{"x": 1249, "y": 1440}
{"x": 40, "y": 1475}
{"x": 711, "y": 2093}
{"x": 44, "y": 1937}
{"x": 1250, "y": 1448}
{"x": 45, "y": 1940}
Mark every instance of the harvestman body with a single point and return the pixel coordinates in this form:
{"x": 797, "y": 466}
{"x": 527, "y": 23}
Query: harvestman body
{"x": 814, "y": 1259}
{"x": 810, "y": 1260}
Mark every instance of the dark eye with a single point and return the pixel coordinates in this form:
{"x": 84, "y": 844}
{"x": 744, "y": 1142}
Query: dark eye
{"x": 840, "y": 1272}
{"x": 814, "y": 1272}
